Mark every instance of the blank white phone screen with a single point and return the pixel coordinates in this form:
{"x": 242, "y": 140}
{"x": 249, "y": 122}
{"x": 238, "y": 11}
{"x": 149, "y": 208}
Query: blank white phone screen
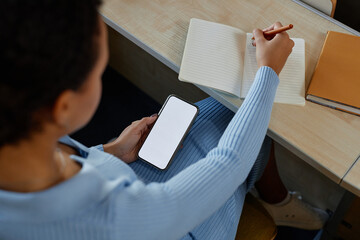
{"x": 168, "y": 131}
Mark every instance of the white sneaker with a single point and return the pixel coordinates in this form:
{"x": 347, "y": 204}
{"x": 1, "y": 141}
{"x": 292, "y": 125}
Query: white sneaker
{"x": 293, "y": 212}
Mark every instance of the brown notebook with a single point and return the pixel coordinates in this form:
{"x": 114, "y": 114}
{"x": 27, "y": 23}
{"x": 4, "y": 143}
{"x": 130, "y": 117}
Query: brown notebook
{"x": 336, "y": 80}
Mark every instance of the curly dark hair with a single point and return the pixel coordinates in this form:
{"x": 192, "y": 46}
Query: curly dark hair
{"x": 46, "y": 47}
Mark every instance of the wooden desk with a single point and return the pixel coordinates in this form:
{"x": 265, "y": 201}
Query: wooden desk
{"x": 326, "y": 139}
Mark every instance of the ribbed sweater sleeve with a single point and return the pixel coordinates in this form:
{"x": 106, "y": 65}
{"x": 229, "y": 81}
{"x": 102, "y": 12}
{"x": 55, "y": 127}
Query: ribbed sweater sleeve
{"x": 198, "y": 191}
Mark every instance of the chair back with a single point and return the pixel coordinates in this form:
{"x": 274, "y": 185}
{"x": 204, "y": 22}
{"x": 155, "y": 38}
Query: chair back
{"x": 325, "y": 6}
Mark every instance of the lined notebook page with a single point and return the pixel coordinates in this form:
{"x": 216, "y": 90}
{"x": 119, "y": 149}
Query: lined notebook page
{"x": 213, "y": 56}
{"x": 291, "y": 88}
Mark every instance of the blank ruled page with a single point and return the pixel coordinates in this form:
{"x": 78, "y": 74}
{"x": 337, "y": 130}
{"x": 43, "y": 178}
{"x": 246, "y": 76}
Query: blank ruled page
{"x": 291, "y": 89}
{"x": 250, "y": 66}
{"x": 213, "y": 56}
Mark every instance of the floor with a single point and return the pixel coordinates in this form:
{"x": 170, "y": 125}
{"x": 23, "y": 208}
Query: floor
{"x": 347, "y": 12}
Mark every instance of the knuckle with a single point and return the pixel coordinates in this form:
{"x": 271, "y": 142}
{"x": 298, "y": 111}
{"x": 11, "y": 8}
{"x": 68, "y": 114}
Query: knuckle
{"x": 135, "y": 122}
{"x": 278, "y": 24}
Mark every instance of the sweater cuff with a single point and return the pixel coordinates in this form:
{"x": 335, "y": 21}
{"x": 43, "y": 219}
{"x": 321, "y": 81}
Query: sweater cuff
{"x": 99, "y": 147}
{"x": 268, "y": 74}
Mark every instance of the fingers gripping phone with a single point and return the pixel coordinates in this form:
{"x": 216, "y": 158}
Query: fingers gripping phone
{"x": 174, "y": 121}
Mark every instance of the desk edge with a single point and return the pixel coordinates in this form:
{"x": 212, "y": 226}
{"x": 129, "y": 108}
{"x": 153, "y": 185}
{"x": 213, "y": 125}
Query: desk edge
{"x": 347, "y": 185}
{"x": 139, "y": 43}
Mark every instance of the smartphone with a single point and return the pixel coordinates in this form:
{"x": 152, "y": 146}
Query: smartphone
{"x": 173, "y": 123}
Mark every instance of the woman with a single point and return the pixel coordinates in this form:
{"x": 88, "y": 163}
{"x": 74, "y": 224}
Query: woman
{"x": 53, "y": 55}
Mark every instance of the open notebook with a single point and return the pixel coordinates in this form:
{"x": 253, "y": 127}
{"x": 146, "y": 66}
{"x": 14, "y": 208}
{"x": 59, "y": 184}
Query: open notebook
{"x": 223, "y": 58}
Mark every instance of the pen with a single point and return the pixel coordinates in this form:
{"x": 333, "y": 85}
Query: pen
{"x": 275, "y": 31}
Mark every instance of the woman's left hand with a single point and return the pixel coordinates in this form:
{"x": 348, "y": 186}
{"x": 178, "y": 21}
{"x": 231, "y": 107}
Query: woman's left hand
{"x": 127, "y": 145}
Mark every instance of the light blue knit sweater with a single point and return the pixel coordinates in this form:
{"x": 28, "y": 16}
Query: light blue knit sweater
{"x": 106, "y": 200}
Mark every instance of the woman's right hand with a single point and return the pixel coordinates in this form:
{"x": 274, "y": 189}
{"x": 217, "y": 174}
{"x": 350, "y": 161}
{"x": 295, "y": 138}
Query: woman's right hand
{"x": 274, "y": 52}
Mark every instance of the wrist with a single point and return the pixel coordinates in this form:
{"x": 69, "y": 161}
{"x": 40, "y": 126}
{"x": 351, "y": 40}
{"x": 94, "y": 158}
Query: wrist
{"x": 109, "y": 148}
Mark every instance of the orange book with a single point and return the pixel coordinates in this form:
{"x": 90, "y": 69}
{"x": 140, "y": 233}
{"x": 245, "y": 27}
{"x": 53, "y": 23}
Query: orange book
{"x": 336, "y": 79}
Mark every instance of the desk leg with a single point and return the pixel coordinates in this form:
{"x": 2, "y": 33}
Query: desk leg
{"x": 342, "y": 224}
